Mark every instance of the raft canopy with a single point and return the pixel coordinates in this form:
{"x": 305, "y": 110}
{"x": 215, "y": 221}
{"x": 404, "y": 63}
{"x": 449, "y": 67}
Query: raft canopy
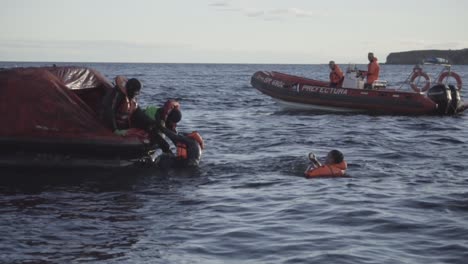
{"x": 51, "y": 102}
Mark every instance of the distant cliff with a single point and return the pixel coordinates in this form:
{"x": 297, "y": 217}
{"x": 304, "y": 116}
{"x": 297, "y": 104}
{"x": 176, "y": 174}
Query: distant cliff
{"x": 417, "y": 56}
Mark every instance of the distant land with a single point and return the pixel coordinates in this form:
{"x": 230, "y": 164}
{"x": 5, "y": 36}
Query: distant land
{"x": 417, "y": 56}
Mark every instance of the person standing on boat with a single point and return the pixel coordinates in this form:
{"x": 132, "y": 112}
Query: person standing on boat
{"x": 336, "y": 75}
{"x": 373, "y": 70}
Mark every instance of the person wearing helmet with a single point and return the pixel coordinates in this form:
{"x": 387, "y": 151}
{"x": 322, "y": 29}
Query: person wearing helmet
{"x": 121, "y": 110}
{"x": 189, "y": 150}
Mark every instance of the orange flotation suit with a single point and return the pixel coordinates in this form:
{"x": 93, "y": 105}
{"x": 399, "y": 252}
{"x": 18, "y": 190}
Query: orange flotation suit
{"x": 332, "y": 170}
{"x": 373, "y": 71}
{"x": 336, "y": 76}
{"x": 182, "y": 151}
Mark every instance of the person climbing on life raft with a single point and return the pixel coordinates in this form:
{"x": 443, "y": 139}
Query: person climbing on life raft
{"x": 189, "y": 150}
{"x": 335, "y": 165}
{"x": 122, "y": 114}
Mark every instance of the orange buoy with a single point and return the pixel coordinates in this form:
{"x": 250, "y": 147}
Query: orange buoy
{"x": 417, "y": 73}
{"x": 448, "y": 74}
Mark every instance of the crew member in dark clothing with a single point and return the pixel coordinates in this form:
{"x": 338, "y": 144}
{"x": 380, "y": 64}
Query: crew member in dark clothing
{"x": 189, "y": 150}
{"x": 120, "y": 107}
{"x": 121, "y": 111}
{"x": 167, "y": 116}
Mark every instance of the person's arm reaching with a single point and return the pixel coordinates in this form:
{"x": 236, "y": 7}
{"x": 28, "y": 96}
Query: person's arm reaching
{"x": 174, "y": 137}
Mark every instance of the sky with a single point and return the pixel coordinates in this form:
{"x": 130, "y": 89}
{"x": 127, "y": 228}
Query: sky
{"x": 227, "y": 31}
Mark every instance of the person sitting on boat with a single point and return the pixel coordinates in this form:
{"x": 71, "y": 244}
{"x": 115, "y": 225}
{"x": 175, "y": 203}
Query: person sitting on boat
{"x": 121, "y": 111}
{"x": 372, "y": 73}
{"x": 120, "y": 107}
{"x": 336, "y": 75}
{"x": 189, "y": 150}
{"x": 334, "y": 166}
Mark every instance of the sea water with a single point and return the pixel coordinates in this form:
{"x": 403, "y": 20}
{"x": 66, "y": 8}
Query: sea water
{"x": 405, "y": 199}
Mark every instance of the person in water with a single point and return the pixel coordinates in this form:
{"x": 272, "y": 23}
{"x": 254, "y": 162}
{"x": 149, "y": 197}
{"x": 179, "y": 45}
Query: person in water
{"x": 189, "y": 150}
{"x": 336, "y": 75}
{"x": 372, "y": 73}
{"x": 334, "y": 166}
{"x": 121, "y": 111}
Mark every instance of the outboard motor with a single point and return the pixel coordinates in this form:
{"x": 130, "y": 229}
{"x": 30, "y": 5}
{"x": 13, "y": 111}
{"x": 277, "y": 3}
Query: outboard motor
{"x": 456, "y": 100}
{"x": 442, "y": 96}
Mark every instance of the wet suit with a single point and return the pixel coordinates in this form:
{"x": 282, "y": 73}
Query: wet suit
{"x": 188, "y": 151}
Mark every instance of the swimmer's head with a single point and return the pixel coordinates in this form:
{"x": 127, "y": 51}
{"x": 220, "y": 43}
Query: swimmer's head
{"x": 334, "y": 157}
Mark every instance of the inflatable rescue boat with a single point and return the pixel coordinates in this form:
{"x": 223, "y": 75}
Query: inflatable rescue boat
{"x": 295, "y": 92}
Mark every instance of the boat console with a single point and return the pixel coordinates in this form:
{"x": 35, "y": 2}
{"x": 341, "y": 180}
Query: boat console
{"x": 352, "y": 79}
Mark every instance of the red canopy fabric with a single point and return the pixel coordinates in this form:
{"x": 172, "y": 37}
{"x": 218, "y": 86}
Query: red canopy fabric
{"x": 50, "y": 103}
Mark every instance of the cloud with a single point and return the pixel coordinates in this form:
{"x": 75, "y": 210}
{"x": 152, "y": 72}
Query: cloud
{"x": 269, "y": 14}
{"x": 220, "y": 4}
{"x": 297, "y": 12}
{"x": 283, "y": 13}
{"x": 254, "y": 13}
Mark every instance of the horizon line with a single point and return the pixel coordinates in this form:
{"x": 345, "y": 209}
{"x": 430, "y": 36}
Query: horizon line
{"x": 122, "y": 62}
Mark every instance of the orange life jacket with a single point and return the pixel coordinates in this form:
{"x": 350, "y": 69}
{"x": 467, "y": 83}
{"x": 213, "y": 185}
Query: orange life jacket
{"x": 166, "y": 110}
{"x": 181, "y": 151}
{"x": 336, "y": 75}
{"x": 127, "y": 106}
{"x": 332, "y": 170}
{"x": 373, "y": 70}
